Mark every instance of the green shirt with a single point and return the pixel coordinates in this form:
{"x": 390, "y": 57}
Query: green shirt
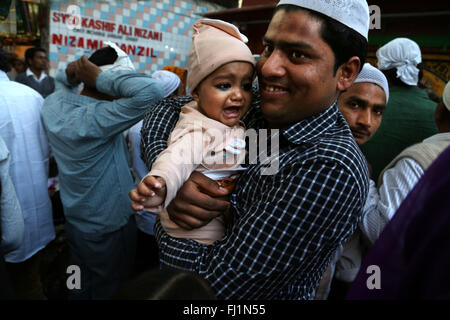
{"x": 408, "y": 119}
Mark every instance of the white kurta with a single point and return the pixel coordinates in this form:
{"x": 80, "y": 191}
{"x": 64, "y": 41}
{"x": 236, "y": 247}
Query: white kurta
{"x": 381, "y": 206}
{"x": 398, "y": 181}
{"x": 21, "y": 129}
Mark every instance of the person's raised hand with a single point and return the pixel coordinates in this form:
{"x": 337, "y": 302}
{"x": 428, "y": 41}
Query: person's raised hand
{"x": 197, "y": 202}
{"x": 87, "y": 72}
{"x": 71, "y": 74}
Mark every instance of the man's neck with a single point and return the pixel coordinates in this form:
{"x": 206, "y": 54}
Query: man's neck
{"x": 284, "y": 125}
{"x": 36, "y": 72}
{"x": 443, "y": 127}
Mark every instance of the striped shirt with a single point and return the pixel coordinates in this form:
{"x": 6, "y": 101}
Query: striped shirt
{"x": 285, "y": 226}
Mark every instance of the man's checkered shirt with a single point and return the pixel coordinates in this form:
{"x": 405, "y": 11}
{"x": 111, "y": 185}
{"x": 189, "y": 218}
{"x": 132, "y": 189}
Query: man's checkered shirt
{"x": 286, "y": 226}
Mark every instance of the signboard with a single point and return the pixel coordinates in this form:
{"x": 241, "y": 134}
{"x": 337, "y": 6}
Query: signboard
{"x": 153, "y": 33}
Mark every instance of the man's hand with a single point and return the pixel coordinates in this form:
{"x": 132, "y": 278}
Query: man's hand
{"x": 83, "y": 70}
{"x": 197, "y": 202}
{"x": 71, "y": 74}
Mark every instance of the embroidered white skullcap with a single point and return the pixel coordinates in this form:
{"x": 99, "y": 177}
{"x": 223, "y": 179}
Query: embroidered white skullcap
{"x": 446, "y": 96}
{"x": 169, "y": 80}
{"x": 373, "y": 75}
{"x": 352, "y": 13}
{"x": 404, "y": 55}
{"x": 122, "y": 62}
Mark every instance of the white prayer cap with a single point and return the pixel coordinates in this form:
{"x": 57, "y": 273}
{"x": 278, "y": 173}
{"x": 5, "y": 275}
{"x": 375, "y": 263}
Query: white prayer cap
{"x": 352, "y": 13}
{"x": 169, "y": 80}
{"x": 404, "y": 55}
{"x": 373, "y": 75}
{"x": 446, "y": 96}
{"x": 122, "y": 62}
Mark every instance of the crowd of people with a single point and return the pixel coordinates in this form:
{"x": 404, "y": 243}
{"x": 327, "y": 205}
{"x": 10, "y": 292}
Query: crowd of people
{"x": 168, "y": 189}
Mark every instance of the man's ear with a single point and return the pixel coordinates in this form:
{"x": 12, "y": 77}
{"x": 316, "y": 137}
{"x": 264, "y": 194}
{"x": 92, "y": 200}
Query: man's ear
{"x": 347, "y": 73}
{"x": 195, "y": 95}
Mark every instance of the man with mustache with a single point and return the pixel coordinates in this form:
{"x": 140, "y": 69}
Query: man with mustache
{"x": 286, "y": 226}
{"x": 411, "y": 250}
{"x": 396, "y": 181}
{"x": 362, "y": 106}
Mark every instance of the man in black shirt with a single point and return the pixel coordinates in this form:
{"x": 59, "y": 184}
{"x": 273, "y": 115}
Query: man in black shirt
{"x": 286, "y": 225}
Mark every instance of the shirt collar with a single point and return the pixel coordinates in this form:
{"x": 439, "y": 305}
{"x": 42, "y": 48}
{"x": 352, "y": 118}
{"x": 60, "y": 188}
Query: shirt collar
{"x": 30, "y": 73}
{"x": 3, "y": 76}
{"x": 311, "y": 128}
{"x": 438, "y": 137}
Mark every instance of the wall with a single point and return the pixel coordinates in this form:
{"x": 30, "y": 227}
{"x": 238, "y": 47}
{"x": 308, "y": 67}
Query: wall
{"x": 153, "y": 33}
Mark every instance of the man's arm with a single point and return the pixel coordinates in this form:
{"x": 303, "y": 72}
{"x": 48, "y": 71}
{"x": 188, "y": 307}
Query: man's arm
{"x": 62, "y": 82}
{"x": 137, "y": 91}
{"x": 397, "y": 183}
{"x": 196, "y": 202}
{"x": 11, "y": 218}
{"x": 133, "y": 93}
{"x": 381, "y": 205}
{"x": 159, "y": 122}
{"x": 284, "y": 238}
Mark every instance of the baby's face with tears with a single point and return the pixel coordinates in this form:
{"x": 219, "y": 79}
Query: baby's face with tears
{"x": 225, "y": 94}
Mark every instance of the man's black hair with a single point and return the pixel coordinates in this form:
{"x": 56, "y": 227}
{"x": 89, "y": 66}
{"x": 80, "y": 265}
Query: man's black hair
{"x": 103, "y": 56}
{"x": 5, "y": 64}
{"x": 30, "y": 52}
{"x": 343, "y": 41}
{"x": 165, "y": 284}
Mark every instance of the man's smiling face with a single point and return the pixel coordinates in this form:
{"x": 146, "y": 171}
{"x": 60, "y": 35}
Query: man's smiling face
{"x": 295, "y": 70}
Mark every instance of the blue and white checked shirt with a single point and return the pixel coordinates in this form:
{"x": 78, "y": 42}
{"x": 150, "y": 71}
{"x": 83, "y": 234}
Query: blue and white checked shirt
{"x": 286, "y": 226}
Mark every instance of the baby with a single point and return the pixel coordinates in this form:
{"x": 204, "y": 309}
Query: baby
{"x": 209, "y": 136}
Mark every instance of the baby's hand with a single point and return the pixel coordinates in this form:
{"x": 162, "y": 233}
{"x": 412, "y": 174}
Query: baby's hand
{"x": 158, "y": 191}
{"x": 151, "y": 194}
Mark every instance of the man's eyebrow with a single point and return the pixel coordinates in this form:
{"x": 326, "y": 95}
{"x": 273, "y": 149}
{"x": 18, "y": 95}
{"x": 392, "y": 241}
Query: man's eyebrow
{"x": 287, "y": 44}
{"x": 379, "y": 106}
{"x": 358, "y": 99}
